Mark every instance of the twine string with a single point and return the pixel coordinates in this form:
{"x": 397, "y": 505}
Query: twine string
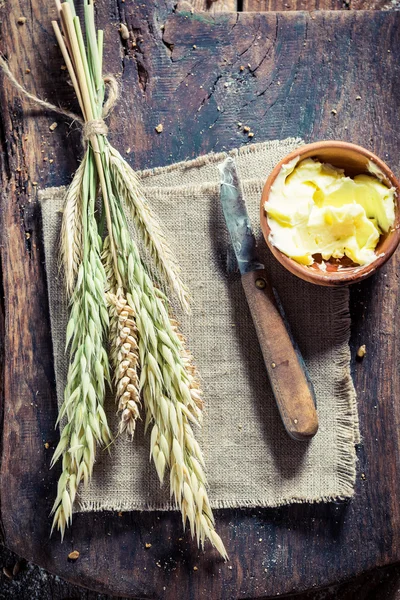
{"x": 90, "y": 128}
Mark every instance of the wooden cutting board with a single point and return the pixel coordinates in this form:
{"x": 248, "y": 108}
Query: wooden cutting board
{"x": 298, "y": 69}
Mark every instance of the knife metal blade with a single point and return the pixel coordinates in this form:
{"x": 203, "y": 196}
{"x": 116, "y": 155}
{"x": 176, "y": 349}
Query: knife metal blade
{"x": 237, "y": 219}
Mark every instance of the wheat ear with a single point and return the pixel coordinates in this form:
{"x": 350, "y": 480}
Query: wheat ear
{"x": 88, "y": 370}
{"x": 71, "y": 229}
{"x": 147, "y": 225}
{"x": 125, "y": 359}
{"x": 165, "y": 382}
{"x": 123, "y": 341}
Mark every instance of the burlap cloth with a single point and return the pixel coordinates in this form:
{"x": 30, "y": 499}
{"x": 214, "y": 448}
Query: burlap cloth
{"x": 250, "y": 459}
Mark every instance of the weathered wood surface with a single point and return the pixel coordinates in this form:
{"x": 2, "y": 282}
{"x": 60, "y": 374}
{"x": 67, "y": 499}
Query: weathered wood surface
{"x": 301, "y": 67}
{"x": 214, "y": 6}
{"x": 32, "y": 582}
{"x": 285, "y": 5}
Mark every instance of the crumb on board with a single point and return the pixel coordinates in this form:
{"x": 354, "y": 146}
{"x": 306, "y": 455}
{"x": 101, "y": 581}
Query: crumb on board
{"x": 159, "y": 128}
{"x": 74, "y": 555}
{"x": 362, "y": 351}
{"x": 53, "y": 126}
{"x": 123, "y": 31}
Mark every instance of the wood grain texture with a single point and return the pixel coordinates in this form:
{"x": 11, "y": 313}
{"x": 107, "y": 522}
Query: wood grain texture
{"x": 32, "y": 582}
{"x": 301, "y": 66}
{"x": 285, "y": 5}
{"x": 214, "y": 6}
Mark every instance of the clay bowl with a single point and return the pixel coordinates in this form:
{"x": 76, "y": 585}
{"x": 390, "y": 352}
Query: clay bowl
{"x": 354, "y": 160}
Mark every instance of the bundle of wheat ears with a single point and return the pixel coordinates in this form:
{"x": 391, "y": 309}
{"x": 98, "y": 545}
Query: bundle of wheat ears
{"x": 117, "y": 313}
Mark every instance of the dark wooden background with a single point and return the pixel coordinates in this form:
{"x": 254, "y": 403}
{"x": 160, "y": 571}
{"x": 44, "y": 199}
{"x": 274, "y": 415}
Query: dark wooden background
{"x": 301, "y": 67}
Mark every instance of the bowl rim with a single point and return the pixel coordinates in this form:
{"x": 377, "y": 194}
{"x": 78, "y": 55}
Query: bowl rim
{"x": 329, "y": 278}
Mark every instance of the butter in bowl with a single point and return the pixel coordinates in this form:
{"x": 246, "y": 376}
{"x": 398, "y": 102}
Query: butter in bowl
{"x": 330, "y": 213}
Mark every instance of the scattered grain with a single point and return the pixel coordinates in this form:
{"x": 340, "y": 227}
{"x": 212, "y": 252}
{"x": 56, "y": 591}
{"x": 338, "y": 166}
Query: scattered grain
{"x": 53, "y": 126}
{"x": 148, "y": 545}
{"x": 47, "y": 445}
{"x": 334, "y": 111}
{"x": 7, "y": 573}
{"x": 27, "y": 71}
{"x": 195, "y": 569}
{"x": 159, "y": 128}
{"x": 74, "y": 555}
{"x": 241, "y": 68}
{"x": 362, "y": 351}
{"x": 251, "y": 134}
{"x": 246, "y": 128}
{"x": 123, "y": 31}
{"x": 21, "y": 21}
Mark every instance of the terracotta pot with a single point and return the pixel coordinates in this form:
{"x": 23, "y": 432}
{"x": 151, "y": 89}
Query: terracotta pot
{"x": 354, "y": 160}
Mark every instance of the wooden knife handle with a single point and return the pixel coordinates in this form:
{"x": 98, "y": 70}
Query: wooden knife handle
{"x": 292, "y": 389}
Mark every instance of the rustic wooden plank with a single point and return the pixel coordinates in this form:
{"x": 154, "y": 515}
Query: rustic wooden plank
{"x": 284, "y": 5}
{"x": 214, "y": 6}
{"x": 301, "y": 66}
{"x": 373, "y": 5}
{"x": 34, "y": 582}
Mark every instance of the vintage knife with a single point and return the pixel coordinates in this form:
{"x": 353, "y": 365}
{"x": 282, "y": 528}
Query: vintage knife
{"x": 287, "y": 373}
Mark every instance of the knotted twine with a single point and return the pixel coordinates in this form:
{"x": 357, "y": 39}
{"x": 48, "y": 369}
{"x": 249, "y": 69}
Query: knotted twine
{"x": 89, "y": 128}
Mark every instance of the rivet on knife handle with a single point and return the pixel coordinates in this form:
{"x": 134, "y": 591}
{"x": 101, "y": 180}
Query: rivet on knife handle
{"x": 290, "y": 383}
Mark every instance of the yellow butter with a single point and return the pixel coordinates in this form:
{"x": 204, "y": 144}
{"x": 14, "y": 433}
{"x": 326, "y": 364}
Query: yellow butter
{"x": 313, "y": 208}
